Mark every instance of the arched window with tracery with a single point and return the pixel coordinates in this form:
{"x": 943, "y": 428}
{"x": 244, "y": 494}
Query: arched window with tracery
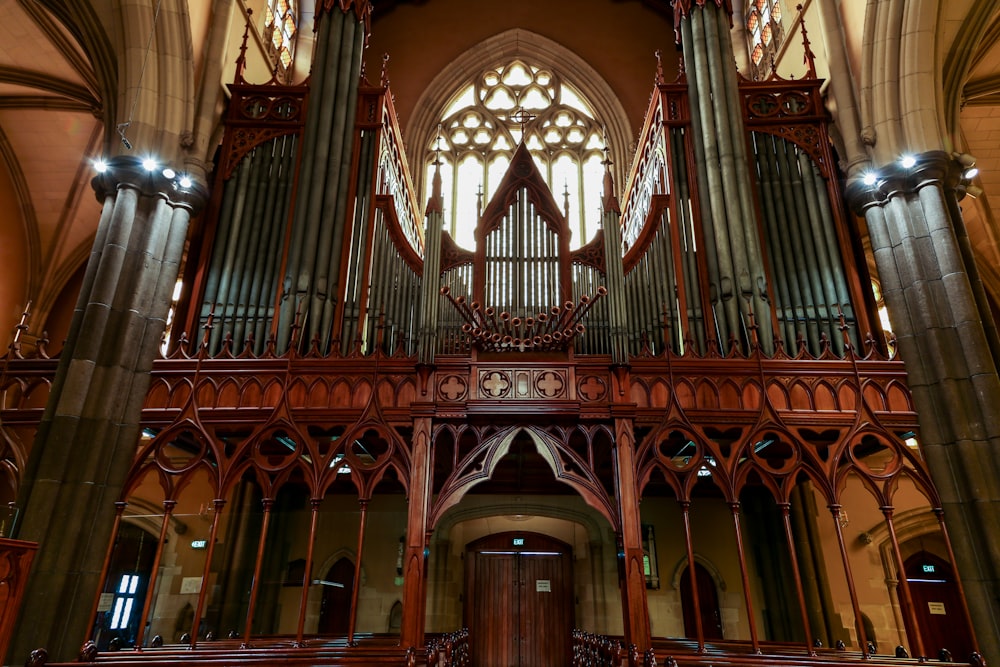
{"x": 280, "y": 28}
{"x": 485, "y": 121}
{"x": 765, "y": 34}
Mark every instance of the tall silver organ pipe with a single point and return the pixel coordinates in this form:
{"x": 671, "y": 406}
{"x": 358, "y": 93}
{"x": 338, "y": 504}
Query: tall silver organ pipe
{"x": 522, "y": 262}
{"x": 241, "y": 284}
{"x": 451, "y": 338}
{"x": 806, "y": 262}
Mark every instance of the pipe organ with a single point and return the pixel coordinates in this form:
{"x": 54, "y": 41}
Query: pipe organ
{"x": 713, "y": 337}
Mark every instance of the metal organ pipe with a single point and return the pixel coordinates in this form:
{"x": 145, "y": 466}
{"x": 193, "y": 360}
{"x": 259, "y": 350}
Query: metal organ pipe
{"x": 713, "y": 210}
{"x": 763, "y": 310}
{"x": 788, "y": 296}
{"x": 824, "y": 265}
{"x": 354, "y": 276}
{"x": 742, "y": 226}
{"x": 827, "y": 238}
{"x": 236, "y": 308}
{"x": 264, "y": 290}
{"x": 799, "y": 227}
{"x": 338, "y": 129}
{"x": 298, "y": 270}
{"x": 689, "y": 249}
{"x": 801, "y": 288}
{"x": 313, "y": 268}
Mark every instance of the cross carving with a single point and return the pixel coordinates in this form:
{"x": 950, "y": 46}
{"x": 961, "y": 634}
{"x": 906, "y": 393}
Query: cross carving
{"x": 496, "y": 384}
{"x": 522, "y": 116}
{"x": 592, "y": 388}
{"x": 452, "y": 388}
{"x": 549, "y": 384}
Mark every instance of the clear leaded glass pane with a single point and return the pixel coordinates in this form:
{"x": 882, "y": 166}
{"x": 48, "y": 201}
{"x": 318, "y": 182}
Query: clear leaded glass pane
{"x": 487, "y": 118}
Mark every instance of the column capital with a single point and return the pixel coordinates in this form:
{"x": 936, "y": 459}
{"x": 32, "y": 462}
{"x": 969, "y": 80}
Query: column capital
{"x": 128, "y": 171}
{"x": 877, "y": 186}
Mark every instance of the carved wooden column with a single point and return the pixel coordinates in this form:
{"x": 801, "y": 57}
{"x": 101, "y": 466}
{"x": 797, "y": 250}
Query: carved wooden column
{"x": 633, "y": 583}
{"x": 415, "y": 559}
{"x": 88, "y": 434}
{"x": 943, "y": 332}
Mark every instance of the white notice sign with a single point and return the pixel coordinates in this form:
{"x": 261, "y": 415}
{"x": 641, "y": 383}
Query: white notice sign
{"x": 190, "y": 585}
{"x": 104, "y": 604}
{"x": 937, "y": 608}
{"x": 543, "y": 586}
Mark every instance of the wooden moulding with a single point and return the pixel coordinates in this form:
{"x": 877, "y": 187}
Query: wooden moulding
{"x": 15, "y": 564}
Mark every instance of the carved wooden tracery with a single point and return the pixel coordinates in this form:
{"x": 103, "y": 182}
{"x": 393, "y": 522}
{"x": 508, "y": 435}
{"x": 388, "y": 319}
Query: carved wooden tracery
{"x": 726, "y": 408}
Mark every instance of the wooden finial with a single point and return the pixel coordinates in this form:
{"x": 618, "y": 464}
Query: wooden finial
{"x": 241, "y": 61}
{"x": 384, "y": 79}
{"x": 810, "y": 57}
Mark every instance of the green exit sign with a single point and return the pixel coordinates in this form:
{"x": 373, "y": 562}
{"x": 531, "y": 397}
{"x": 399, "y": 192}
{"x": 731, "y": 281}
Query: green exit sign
{"x": 518, "y": 541}
{"x": 929, "y": 569}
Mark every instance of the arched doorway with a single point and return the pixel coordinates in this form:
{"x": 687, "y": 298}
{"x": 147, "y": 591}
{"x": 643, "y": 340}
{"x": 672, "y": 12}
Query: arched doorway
{"x": 937, "y": 606}
{"x": 519, "y": 600}
{"x": 335, "y": 610}
{"x": 708, "y": 604}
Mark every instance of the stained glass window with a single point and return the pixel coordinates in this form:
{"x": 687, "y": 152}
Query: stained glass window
{"x": 280, "y": 28}
{"x": 764, "y": 31}
{"x": 485, "y": 121}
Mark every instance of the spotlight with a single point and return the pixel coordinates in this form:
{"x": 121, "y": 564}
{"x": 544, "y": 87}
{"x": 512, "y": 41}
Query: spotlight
{"x": 970, "y": 173}
{"x": 168, "y": 172}
{"x": 908, "y": 161}
{"x": 186, "y": 182}
{"x": 965, "y": 159}
{"x": 149, "y": 164}
{"x": 100, "y": 166}
{"x": 870, "y": 178}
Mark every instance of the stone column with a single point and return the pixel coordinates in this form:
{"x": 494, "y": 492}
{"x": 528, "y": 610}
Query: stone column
{"x": 88, "y": 434}
{"x": 929, "y": 288}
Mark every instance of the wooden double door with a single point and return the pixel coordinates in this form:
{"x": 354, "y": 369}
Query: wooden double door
{"x": 519, "y": 600}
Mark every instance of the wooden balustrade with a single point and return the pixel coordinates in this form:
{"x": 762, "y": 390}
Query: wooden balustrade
{"x": 594, "y": 650}
{"x": 450, "y": 650}
{"x": 15, "y": 563}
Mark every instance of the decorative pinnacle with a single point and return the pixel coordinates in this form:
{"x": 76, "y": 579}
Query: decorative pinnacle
{"x": 809, "y": 57}
{"x": 435, "y": 203}
{"x": 659, "y": 66}
{"x": 610, "y": 202}
{"x": 241, "y": 61}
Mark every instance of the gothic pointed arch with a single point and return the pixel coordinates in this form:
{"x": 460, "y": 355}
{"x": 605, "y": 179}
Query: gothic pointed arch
{"x": 525, "y": 45}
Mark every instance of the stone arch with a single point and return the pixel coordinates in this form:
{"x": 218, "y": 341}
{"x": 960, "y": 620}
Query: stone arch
{"x": 537, "y": 49}
{"x": 156, "y": 91}
{"x": 910, "y": 98}
{"x": 682, "y": 564}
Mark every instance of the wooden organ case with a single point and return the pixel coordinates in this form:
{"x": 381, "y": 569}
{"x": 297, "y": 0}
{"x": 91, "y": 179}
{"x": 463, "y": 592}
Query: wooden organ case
{"x": 351, "y": 371}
